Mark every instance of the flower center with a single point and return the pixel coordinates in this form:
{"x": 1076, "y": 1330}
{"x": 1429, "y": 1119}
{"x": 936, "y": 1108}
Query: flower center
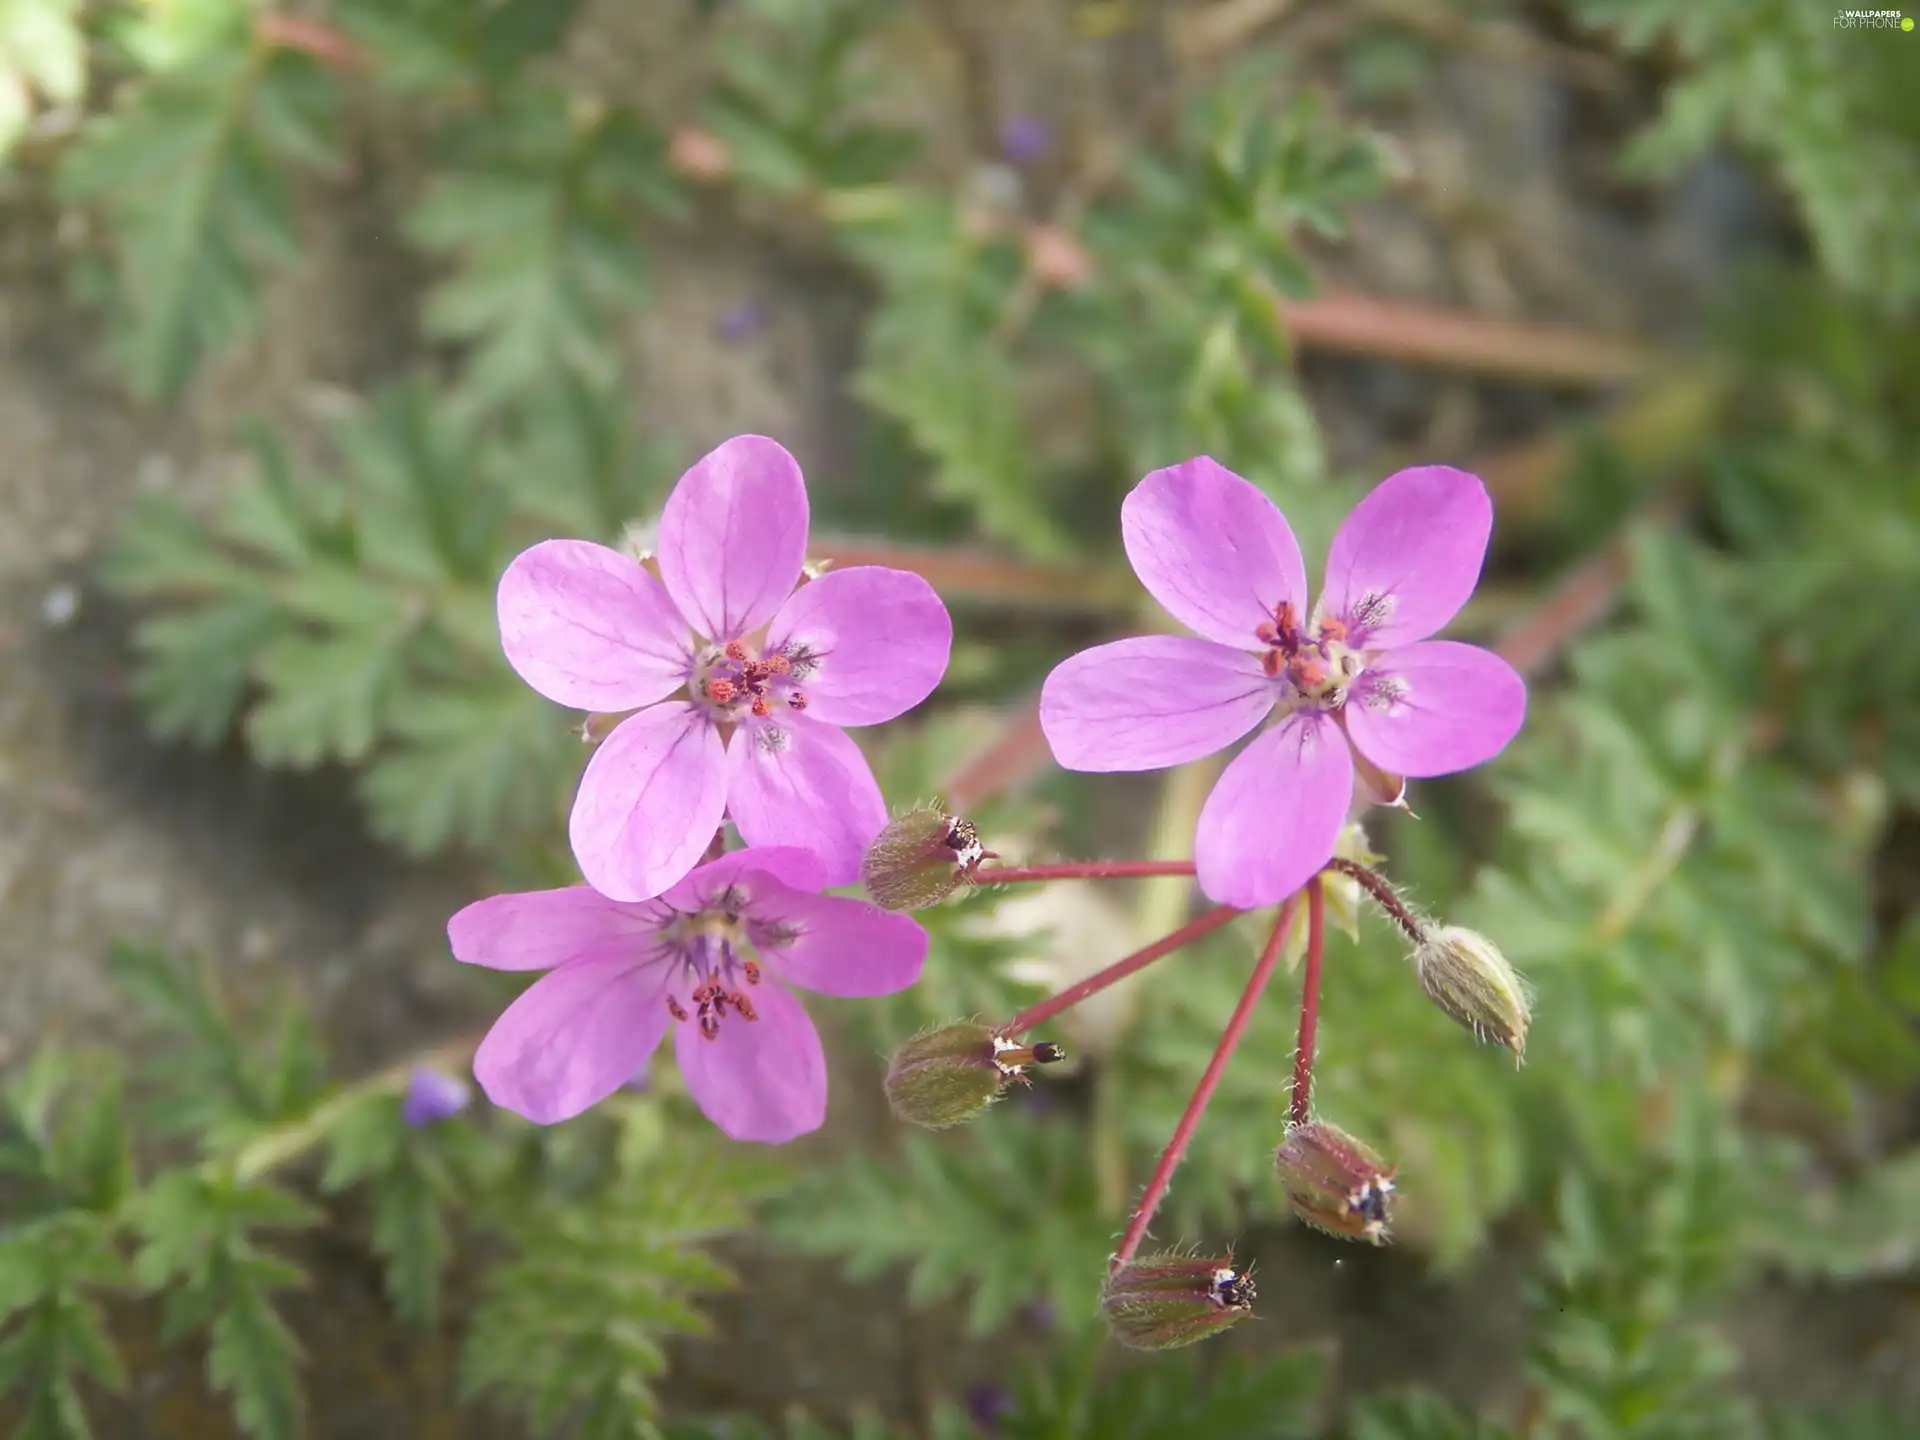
{"x": 734, "y": 679}
{"x": 718, "y": 979}
{"x": 1318, "y": 667}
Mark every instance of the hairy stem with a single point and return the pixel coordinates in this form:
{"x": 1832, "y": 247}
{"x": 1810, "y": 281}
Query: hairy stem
{"x": 1309, "y": 1002}
{"x": 1384, "y": 895}
{"x": 1162, "y": 1176}
{"x": 1120, "y": 969}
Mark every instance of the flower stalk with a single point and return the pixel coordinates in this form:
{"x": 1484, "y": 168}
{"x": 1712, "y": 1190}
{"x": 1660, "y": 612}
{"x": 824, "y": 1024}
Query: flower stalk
{"x": 1046, "y": 1009}
{"x": 1162, "y": 1177}
{"x": 1309, "y": 1002}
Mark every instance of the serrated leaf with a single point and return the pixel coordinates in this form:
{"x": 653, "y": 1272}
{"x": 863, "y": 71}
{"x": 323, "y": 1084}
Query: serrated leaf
{"x": 540, "y": 223}
{"x": 469, "y": 766}
{"x": 191, "y": 172}
{"x": 197, "y": 666}
{"x": 326, "y": 698}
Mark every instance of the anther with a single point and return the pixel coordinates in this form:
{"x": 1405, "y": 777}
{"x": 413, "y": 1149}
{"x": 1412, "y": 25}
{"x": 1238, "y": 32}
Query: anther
{"x": 797, "y": 701}
{"x": 778, "y": 664}
{"x": 720, "y": 691}
{"x": 673, "y": 1009}
{"x": 709, "y": 1027}
{"x": 752, "y": 969}
{"x": 742, "y": 1004}
{"x": 1333, "y": 628}
{"x": 760, "y": 707}
{"x": 736, "y": 652}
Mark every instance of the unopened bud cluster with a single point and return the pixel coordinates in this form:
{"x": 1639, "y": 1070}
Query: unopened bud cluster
{"x": 921, "y": 858}
{"x": 948, "y": 1075}
{"x": 1164, "y": 1301}
{"x": 1334, "y": 1183}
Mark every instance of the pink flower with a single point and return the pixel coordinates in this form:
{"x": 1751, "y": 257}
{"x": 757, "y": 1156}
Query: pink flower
{"x": 1360, "y": 674}
{"x": 620, "y": 975}
{"x": 741, "y": 681}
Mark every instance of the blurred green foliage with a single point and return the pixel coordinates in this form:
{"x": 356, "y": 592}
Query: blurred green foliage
{"x": 1685, "y": 864}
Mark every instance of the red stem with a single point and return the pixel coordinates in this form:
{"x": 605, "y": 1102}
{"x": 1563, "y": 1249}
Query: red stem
{"x": 1084, "y": 870}
{"x": 1162, "y": 1177}
{"x": 1309, "y": 1002}
{"x": 1120, "y": 969}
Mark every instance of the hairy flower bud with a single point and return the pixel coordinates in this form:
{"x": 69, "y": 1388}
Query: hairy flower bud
{"x": 1164, "y": 1301}
{"x": 1334, "y": 1183}
{"x": 1470, "y": 980}
{"x": 921, "y": 858}
{"x": 947, "y": 1075}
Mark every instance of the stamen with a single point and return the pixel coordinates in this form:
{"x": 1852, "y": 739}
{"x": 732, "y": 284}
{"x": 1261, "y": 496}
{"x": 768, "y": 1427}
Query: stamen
{"x": 1333, "y": 629}
{"x": 741, "y": 1003}
{"x": 760, "y": 707}
{"x": 709, "y": 1026}
{"x": 752, "y": 972}
{"x": 721, "y": 692}
{"x": 797, "y": 701}
{"x": 778, "y": 664}
{"x": 674, "y": 1009}
{"x": 736, "y": 652}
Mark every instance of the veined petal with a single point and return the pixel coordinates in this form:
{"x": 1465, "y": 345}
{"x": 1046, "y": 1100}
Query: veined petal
{"x": 1434, "y": 708}
{"x": 589, "y": 628}
{"x": 787, "y": 865}
{"x": 1213, "y": 550}
{"x": 1275, "y": 814}
{"x": 1408, "y": 556}
{"x": 649, "y": 802}
{"x": 833, "y": 945}
{"x": 763, "y": 1079}
{"x": 1151, "y": 702}
{"x": 881, "y": 637}
{"x": 794, "y": 780}
{"x": 576, "y": 1036}
{"x": 733, "y": 537}
{"x": 541, "y": 929}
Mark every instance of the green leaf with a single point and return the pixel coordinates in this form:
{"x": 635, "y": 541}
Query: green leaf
{"x": 540, "y": 223}
{"x": 191, "y": 174}
{"x": 1006, "y": 1207}
{"x": 1416, "y": 1417}
{"x": 53, "y": 1332}
{"x": 451, "y": 44}
{"x": 470, "y": 765}
{"x": 198, "y": 1240}
{"x": 572, "y": 1326}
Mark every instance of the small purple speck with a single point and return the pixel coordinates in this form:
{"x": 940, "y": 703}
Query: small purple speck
{"x": 743, "y": 321}
{"x": 989, "y": 1405}
{"x": 1042, "y": 1314}
{"x": 432, "y": 1097}
{"x": 1024, "y": 139}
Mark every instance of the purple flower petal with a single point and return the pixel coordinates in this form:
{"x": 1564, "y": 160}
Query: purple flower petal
{"x": 1151, "y": 702}
{"x": 540, "y": 929}
{"x": 649, "y": 803}
{"x": 576, "y": 1036}
{"x": 881, "y": 637}
{"x": 432, "y": 1097}
{"x": 733, "y": 537}
{"x": 798, "y": 781}
{"x": 1275, "y": 814}
{"x": 1408, "y": 556}
{"x": 1434, "y": 708}
{"x": 589, "y": 628}
{"x": 1213, "y": 550}
{"x": 764, "y": 1079}
{"x": 787, "y": 864}
{"x": 835, "y": 946}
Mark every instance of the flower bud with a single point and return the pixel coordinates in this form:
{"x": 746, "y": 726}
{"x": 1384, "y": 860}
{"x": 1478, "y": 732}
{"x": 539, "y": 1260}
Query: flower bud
{"x": 947, "y": 1075}
{"x": 1334, "y": 1183}
{"x": 921, "y": 858}
{"x": 1174, "y": 1298}
{"x": 1470, "y": 980}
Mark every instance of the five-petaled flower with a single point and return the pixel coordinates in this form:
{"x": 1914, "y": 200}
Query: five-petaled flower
{"x": 621, "y": 975}
{"x": 740, "y": 682}
{"x": 1221, "y": 558}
